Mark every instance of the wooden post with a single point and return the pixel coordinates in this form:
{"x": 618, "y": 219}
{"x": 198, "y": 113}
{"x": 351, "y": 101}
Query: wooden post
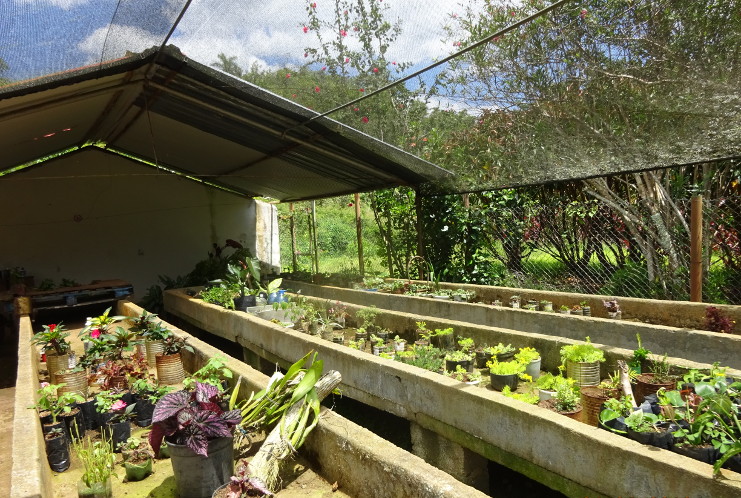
{"x": 420, "y": 230}
{"x": 696, "y": 249}
{"x": 359, "y": 230}
{"x": 294, "y": 257}
{"x": 313, "y": 229}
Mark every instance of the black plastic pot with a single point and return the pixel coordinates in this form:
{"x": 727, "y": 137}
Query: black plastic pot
{"x": 57, "y": 452}
{"x": 89, "y": 414}
{"x": 118, "y": 432}
{"x": 46, "y": 428}
{"x": 482, "y": 359}
{"x": 616, "y": 425}
{"x": 144, "y": 410}
{"x": 499, "y": 381}
{"x": 74, "y": 423}
{"x": 706, "y": 454}
{"x": 451, "y": 365}
{"x": 241, "y": 303}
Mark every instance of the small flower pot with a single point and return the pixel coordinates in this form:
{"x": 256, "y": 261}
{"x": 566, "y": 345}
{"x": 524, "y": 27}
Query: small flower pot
{"x": 138, "y": 471}
{"x": 482, "y": 358}
{"x": 153, "y": 348}
{"x": 144, "y": 410}
{"x": 74, "y": 382}
{"x": 118, "y": 432}
{"x": 197, "y": 476}
{"x": 499, "y": 381}
{"x": 505, "y": 356}
{"x": 646, "y": 385}
{"x": 95, "y": 490}
{"x": 533, "y": 368}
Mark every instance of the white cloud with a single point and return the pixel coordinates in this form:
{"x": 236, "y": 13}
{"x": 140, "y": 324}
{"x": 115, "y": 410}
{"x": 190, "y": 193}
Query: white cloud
{"x": 111, "y": 43}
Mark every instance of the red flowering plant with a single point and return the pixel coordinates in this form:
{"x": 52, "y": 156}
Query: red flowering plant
{"x": 53, "y": 337}
{"x": 192, "y": 418}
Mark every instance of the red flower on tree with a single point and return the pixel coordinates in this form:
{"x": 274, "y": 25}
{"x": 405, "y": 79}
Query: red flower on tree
{"x": 375, "y": 69}
{"x": 306, "y": 29}
{"x": 288, "y": 75}
{"x": 343, "y": 32}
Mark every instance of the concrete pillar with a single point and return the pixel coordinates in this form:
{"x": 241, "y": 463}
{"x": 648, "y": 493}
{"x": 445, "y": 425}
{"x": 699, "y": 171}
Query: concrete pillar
{"x": 461, "y": 463}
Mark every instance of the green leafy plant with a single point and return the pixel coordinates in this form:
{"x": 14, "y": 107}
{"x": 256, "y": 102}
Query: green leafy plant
{"x": 661, "y": 369}
{"x": 367, "y": 317}
{"x": 640, "y": 355}
{"x": 566, "y": 398}
{"x": 506, "y": 367}
{"x": 221, "y": 295}
{"x": 466, "y": 344}
{"x": 149, "y": 391}
{"x": 105, "y": 400}
{"x": 427, "y": 357}
{"x": 458, "y": 355}
{"x": 527, "y": 355}
{"x": 581, "y": 353}
{"x": 53, "y": 338}
{"x": 529, "y": 397}
{"x": 99, "y": 325}
{"x": 174, "y": 344}
{"x": 56, "y": 405}
{"x": 641, "y": 422}
{"x": 501, "y": 348}
{"x": 463, "y": 375}
{"x": 213, "y": 372}
{"x": 97, "y": 459}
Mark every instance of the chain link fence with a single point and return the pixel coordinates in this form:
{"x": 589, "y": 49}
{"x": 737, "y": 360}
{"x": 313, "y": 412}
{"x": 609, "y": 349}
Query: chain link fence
{"x": 583, "y": 246}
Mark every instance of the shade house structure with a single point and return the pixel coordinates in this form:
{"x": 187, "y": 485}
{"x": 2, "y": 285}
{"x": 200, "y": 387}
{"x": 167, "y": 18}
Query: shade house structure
{"x": 165, "y": 110}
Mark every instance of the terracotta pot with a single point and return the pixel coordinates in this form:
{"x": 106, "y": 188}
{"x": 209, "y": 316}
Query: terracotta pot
{"x": 646, "y": 385}
{"x": 170, "y": 369}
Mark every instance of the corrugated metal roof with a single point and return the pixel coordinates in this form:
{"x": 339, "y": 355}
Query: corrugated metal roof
{"x": 166, "y": 109}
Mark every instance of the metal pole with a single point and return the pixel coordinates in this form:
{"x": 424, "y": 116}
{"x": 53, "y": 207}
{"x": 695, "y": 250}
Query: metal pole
{"x": 696, "y": 249}
{"x": 359, "y": 230}
{"x": 420, "y": 232}
{"x": 313, "y": 226}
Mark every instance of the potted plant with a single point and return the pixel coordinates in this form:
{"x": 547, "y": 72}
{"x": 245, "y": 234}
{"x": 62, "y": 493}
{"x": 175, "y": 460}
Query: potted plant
{"x": 482, "y": 354}
{"x": 462, "y": 375}
{"x": 576, "y": 310}
{"x": 564, "y": 310}
{"x": 582, "y": 362}
{"x": 97, "y": 326}
{"x": 640, "y": 355}
{"x": 505, "y": 373}
{"x": 221, "y": 294}
{"x": 54, "y": 343}
{"x": 137, "y": 458}
{"x": 378, "y": 345}
{"x": 243, "y": 278}
{"x": 565, "y": 401}
{"x": 530, "y": 358}
{"x": 462, "y": 295}
{"x": 503, "y": 352}
{"x": 73, "y": 380}
{"x": 586, "y": 310}
{"x": 194, "y": 424}
{"x": 399, "y": 343}
{"x": 456, "y": 358}
{"x": 57, "y": 411}
{"x": 594, "y": 397}
{"x": 546, "y": 305}
{"x": 98, "y": 460}
{"x": 514, "y": 301}
{"x": 642, "y": 427}
{"x": 547, "y": 385}
{"x": 154, "y": 336}
{"x": 118, "y": 422}
{"x": 443, "y": 338}
{"x": 613, "y": 308}
{"x": 367, "y": 318}
{"x": 57, "y": 449}
{"x": 170, "y": 364}
{"x": 146, "y": 394}
{"x": 658, "y": 376}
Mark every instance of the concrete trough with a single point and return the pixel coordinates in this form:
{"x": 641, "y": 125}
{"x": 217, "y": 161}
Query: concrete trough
{"x": 364, "y": 464}
{"x": 569, "y": 456}
{"x": 697, "y": 345}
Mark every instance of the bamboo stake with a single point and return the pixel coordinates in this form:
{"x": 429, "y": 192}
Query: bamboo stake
{"x": 359, "y": 230}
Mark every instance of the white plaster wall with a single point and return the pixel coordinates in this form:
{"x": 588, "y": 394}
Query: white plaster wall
{"x": 95, "y": 216}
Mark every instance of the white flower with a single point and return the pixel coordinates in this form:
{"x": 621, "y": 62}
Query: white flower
{"x": 445, "y": 228}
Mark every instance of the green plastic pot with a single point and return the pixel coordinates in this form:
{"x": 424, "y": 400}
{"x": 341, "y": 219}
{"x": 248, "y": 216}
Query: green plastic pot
{"x": 137, "y": 472}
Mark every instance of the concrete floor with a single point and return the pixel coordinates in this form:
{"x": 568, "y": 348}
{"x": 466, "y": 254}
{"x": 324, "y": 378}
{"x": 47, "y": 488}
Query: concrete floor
{"x": 8, "y": 365}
